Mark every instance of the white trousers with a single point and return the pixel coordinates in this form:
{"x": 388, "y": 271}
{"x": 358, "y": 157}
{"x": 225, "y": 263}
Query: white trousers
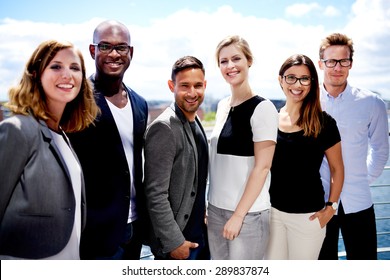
{"x": 294, "y": 236}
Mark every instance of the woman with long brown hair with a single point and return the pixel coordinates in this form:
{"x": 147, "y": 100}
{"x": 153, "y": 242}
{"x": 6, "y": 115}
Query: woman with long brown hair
{"x": 306, "y": 134}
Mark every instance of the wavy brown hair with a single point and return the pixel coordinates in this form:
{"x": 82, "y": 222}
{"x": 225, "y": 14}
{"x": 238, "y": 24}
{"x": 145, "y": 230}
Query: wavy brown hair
{"x": 28, "y": 97}
{"x": 310, "y": 115}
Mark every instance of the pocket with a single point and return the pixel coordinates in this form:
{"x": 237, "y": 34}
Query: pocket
{"x": 257, "y": 217}
{"x": 317, "y": 223}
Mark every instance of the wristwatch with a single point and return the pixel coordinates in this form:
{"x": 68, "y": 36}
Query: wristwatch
{"x": 333, "y": 204}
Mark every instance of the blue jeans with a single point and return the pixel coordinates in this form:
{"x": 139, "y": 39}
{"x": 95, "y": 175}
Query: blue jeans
{"x": 250, "y": 244}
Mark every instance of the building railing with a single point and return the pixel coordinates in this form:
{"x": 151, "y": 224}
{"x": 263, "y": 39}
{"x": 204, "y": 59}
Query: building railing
{"x": 382, "y": 250}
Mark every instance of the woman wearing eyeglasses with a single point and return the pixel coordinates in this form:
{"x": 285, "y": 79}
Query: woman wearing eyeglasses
{"x": 299, "y": 213}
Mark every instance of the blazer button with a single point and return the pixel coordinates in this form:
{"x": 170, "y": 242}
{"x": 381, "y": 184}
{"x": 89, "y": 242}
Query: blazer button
{"x": 186, "y": 216}
{"x": 192, "y": 193}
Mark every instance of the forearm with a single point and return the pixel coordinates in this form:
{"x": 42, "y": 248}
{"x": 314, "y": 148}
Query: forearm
{"x": 161, "y": 215}
{"x": 264, "y": 152}
{"x": 160, "y": 211}
{"x": 336, "y": 167}
{"x": 378, "y": 153}
{"x": 336, "y": 184}
{"x": 376, "y": 162}
{"x": 159, "y": 153}
{"x": 252, "y": 191}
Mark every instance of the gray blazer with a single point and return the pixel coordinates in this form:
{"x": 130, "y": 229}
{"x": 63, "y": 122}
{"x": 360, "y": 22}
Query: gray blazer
{"x": 171, "y": 173}
{"x": 37, "y": 203}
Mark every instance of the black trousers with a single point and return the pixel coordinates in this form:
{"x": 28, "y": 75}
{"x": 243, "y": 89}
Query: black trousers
{"x": 132, "y": 248}
{"x": 359, "y": 235}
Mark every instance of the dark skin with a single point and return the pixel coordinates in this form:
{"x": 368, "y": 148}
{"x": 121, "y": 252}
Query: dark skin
{"x": 111, "y": 67}
{"x": 110, "y": 70}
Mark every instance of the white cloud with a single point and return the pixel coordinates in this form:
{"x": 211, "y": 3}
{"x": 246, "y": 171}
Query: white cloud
{"x": 271, "y": 41}
{"x": 300, "y": 9}
{"x": 314, "y": 9}
{"x": 369, "y": 27}
{"x": 186, "y": 32}
{"x": 20, "y": 38}
{"x": 331, "y": 11}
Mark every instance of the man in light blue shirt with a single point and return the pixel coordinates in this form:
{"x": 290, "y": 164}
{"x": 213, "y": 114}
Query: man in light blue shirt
{"x": 362, "y": 121}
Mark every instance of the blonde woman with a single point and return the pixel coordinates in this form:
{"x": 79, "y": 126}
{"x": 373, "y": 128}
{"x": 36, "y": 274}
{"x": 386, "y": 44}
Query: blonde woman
{"x": 241, "y": 150}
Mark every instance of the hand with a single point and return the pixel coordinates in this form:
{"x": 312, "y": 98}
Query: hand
{"x": 232, "y": 227}
{"x": 323, "y": 216}
{"x": 183, "y": 251}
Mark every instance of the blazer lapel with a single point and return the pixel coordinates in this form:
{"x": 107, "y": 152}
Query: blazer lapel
{"x": 53, "y": 147}
{"x": 188, "y": 132}
{"x": 138, "y": 123}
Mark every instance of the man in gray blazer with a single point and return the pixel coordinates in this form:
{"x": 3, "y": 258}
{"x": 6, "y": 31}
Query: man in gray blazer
{"x": 175, "y": 168}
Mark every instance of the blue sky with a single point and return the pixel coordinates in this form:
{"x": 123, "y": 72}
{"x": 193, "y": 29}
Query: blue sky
{"x": 143, "y": 12}
{"x": 162, "y": 31}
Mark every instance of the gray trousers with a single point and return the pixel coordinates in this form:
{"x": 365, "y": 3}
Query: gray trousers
{"x": 250, "y": 244}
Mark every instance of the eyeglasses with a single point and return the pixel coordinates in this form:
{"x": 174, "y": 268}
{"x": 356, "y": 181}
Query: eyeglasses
{"x": 291, "y": 79}
{"x": 122, "y": 49}
{"x": 330, "y": 63}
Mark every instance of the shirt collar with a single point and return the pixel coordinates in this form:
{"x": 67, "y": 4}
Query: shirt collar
{"x": 341, "y": 96}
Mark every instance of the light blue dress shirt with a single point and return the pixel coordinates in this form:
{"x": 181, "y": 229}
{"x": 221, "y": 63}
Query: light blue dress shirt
{"x": 362, "y": 120}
